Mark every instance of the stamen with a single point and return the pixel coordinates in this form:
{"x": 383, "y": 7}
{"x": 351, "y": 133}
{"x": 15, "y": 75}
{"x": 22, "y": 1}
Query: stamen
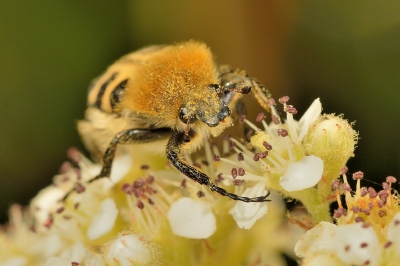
{"x": 391, "y": 179}
{"x": 200, "y": 194}
{"x": 358, "y": 175}
{"x": 144, "y": 167}
{"x": 267, "y": 145}
{"x": 282, "y": 132}
{"x": 284, "y": 99}
{"x": 335, "y": 184}
{"x": 140, "y": 204}
{"x": 260, "y": 117}
{"x": 234, "y": 172}
{"x": 344, "y": 170}
{"x": 183, "y": 183}
{"x": 238, "y": 182}
{"x": 290, "y": 109}
{"x": 241, "y": 171}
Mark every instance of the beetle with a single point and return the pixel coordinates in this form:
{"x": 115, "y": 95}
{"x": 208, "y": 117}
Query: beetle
{"x": 170, "y": 98}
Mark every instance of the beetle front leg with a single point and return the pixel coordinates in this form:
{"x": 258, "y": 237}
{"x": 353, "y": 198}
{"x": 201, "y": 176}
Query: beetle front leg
{"x": 174, "y": 148}
{"x": 130, "y": 136}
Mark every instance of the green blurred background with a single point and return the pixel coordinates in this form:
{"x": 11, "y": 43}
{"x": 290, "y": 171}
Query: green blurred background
{"x": 348, "y": 54}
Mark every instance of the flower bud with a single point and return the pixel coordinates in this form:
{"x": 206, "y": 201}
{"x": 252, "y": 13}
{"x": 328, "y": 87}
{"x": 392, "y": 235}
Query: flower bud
{"x": 332, "y": 139}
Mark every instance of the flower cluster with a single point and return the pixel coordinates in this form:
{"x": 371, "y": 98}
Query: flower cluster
{"x": 147, "y": 213}
{"x": 367, "y": 230}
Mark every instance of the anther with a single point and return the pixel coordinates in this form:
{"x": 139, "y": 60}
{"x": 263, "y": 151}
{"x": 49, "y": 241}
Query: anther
{"x": 240, "y": 157}
{"x": 290, "y": 109}
{"x": 150, "y": 179}
{"x": 359, "y": 219}
{"x": 183, "y": 183}
{"x": 387, "y": 244}
{"x": 267, "y": 145}
{"x": 250, "y": 134}
{"x": 263, "y": 154}
{"x": 372, "y": 193}
{"x": 241, "y": 171}
{"x": 237, "y": 182}
{"x": 358, "y": 175}
{"x": 79, "y": 188}
{"x": 386, "y": 186}
{"x": 140, "y": 204}
{"x": 200, "y": 194}
{"x": 343, "y": 170}
{"x": 282, "y": 132}
{"x": 346, "y": 187}
{"x": 284, "y": 99}
{"x": 138, "y": 183}
{"x": 271, "y": 102}
{"x": 127, "y": 188}
{"x": 364, "y": 191}
{"x": 276, "y": 120}
{"x": 260, "y": 117}
{"x": 339, "y": 212}
{"x": 216, "y": 158}
{"x": 381, "y": 213}
{"x": 391, "y": 179}
{"x": 335, "y": 184}
{"x": 256, "y": 157}
{"x": 234, "y": 172}
{"x": 144, "y": 167}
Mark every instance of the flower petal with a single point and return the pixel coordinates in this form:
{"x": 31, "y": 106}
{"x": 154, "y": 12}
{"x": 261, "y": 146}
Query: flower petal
{"x": 128, "y": 250}
{"x": 104, "y": 220}
{"x": 393, "y": 233}
{"x": 45, "y": 202}
{"x": 57, "y": 261}
{"x": 121, "y": 166}
{"x": 358, "y": 244}
{"x": 246, "y": 214}
{"x": 93, "y": 259}
{"x": 192, "y": 218}
{"x": 309, "y": 117}
{"x": 302, "y": 174}
{"x": 319, "y": 239}
{"x": 75, "y": 252}
{"x": 15, "y": 261}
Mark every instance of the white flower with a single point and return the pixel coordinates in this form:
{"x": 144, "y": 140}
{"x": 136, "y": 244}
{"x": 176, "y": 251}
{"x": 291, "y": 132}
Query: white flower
{"x": 192, "y": 218}
{"x": 302, "y": 174}
{"x": 319, "y": 239}
{"x": 246, "y": 214}
{"x": 357, "y": 244}
{"x": 104, "y": 220}
{"x": 393, "y": 234}
{"x": 351, "y": 244}
{"x": 127, "y": 250}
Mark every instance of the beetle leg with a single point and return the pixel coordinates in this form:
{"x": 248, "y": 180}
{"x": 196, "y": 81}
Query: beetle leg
{"x": 174, "y": 148}
{"x": 129, "y": 136}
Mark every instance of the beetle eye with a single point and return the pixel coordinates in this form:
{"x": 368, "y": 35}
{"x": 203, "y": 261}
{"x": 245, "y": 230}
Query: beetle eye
{"x": 186, "y": 117}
